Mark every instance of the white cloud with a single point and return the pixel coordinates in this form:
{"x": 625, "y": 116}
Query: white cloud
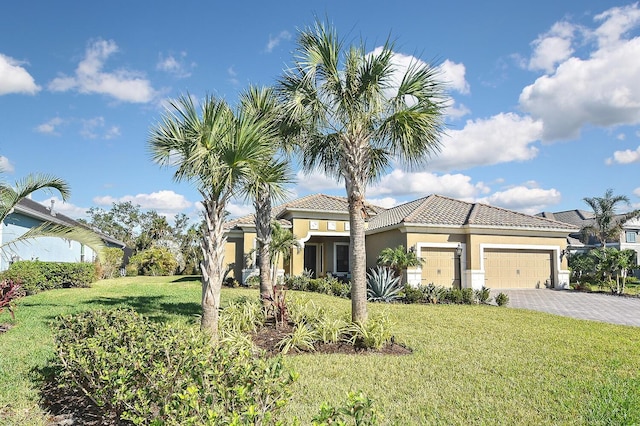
{"x": 5, "y": 165}
{"x": 65, "y": 208}
{"x": 419, "y": 184}
{"x": 95, "y": 128}
{"x": 552, "y": 48}
{"x": 524, "y": 198}
{"x": 636, "y": 191}
{"x": 502, "y": 138}
{"x": 238, "y": 209}
{"x": 601, "y": 90}
{"x": 317, "y": 181}
{"x": 50, "y": 127}
{"x": 162, "y": 201}
{"x": 454, "y": 76}
{"x": 275, "y": 41}
{"x": 233, "y": 76}
{"x": 386, "y": 202}
{"x": 175, "y": 65}
{"x": 625, "y": 157}
{"x": 14, "y": 78}
{"x": 121, "y": 84}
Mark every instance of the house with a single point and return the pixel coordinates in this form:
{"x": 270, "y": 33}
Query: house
{"x": 30, "y": 214}
{"x": 629, "y": 237}
{"x": 467, "y": 245}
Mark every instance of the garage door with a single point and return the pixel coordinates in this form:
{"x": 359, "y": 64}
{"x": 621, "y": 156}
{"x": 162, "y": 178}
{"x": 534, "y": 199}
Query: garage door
{"x": 439, "y": 267}
{"x": 517, "y": 268}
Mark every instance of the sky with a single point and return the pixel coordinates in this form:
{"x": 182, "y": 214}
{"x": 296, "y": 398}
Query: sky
{"x": 544, "y": 105}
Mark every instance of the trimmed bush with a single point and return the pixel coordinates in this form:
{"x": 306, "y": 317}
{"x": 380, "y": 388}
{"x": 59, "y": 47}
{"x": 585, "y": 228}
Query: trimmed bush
{"x": 151, "y": 373}
{"x": 111, "y": 262}
{"x": 36, "y": 276}
{"x": 155, "y": 261}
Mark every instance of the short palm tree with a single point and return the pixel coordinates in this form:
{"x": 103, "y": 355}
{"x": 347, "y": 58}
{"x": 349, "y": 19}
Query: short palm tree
{"x": 283, "y": 241}
{"x": 10, "y": 197}
{"x": 356, "y": 113}
{"x": 218, "y": 151}
{"x": 607, "y": 225}
{"x": 268, "y": 184}
{"x": 398, "y": 259}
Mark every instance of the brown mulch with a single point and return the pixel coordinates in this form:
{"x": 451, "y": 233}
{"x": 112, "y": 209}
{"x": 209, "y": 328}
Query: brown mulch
{"x": 267, "y": 338}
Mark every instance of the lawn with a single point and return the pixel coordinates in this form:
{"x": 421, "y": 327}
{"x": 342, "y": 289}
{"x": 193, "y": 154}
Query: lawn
{"x": 470, "y": 365}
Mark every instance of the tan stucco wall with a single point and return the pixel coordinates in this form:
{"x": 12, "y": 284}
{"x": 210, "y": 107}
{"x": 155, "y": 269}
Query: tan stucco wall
{"x": 323, "y": 235}
{"x": 233, "y": 255}
{"x": 378, "y": 242}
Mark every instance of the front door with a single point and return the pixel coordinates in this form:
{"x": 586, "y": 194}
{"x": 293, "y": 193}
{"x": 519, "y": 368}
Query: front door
{"x": 310, "y": 256}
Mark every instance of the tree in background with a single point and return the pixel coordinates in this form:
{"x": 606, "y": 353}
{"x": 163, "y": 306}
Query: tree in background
{"x": 218, "y": 151}
{"x": 356, "y": 113}
{"x": 607, "y": 224}
{"x": 282, "y": 244}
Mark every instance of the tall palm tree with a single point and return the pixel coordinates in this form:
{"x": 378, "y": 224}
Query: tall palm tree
{"x": 357, "y": 112}
{"x": 268, "y": 184}
{"x": 607, "y": 225}
{"x": 10, "y": 197}
{"x": 218, "y": 151}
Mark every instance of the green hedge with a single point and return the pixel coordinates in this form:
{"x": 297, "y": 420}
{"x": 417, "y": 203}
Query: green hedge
{"x": 36, "y": 276}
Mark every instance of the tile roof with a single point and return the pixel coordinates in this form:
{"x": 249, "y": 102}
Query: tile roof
{"x": 314, "y": 202}
{"x": 443, "y": 211}
{"x": 576, "y": 217}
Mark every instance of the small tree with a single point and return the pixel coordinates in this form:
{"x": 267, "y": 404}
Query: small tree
{"x": 399, "y": 259}
{"x": 155, "y": 261}
{"x": 282, "y": 243}
{"x": 111, "y": 262}
{"x": 606, "y": 223}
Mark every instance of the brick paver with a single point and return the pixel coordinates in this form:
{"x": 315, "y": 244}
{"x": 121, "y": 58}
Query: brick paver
{"x": 590, "y": 306}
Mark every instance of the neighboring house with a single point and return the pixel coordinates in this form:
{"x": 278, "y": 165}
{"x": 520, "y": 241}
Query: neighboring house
{"x": 30, "y": 214}
{"x": 629, "y": 237}
{"x": 466, "y": 245}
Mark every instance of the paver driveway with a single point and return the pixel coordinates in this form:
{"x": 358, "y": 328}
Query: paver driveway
{"x": 590, "y": 306}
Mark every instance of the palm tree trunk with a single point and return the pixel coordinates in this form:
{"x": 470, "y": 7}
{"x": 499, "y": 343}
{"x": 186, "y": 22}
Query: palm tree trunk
{"x": 262, "y": 204}
{"x": 212, "y": 272}
{"x": 358, "y": 254}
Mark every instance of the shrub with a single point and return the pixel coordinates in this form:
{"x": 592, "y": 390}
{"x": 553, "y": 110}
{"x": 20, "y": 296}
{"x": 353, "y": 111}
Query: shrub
{"x": 434, "y": 294}
{"x": 358, "y": 407}
{"x": 303, "y": 338}
{"x": 155, "y": 261}
{"x": 468, "y": 297}
{"x": 502, "y": 299}
{"x": 453, "y": 295}
{"x": 150, "y": 373}
{"x": 111, "y": 262}
{"x": 383, "y": 285}
{"x": 36, "y": 276}
{"x": 9, "y": 292}
{"x": 373, "y": 334}
{"x": 252, "y": 281}
{"x": 412, "y": 294}
{"x": 482, "y": 295}
{"x": 339, "y": 288}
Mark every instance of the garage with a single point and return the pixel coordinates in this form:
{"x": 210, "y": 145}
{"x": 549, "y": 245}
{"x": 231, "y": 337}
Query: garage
{"x": 439, "y": 267}
{"x": 517, "y": 268}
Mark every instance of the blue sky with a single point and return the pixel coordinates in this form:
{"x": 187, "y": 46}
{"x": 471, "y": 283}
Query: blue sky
{"x": 545, "y": 96}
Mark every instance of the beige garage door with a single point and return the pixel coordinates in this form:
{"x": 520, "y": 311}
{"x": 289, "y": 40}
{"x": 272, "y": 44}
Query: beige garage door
{"x": 517, "y": 268}
{"x": 440, "y": 267}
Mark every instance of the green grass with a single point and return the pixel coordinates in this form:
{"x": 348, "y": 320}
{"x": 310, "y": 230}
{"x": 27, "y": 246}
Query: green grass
{"x": 471, "y": 364}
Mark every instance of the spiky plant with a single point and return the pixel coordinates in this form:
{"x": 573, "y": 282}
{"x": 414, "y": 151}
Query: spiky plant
{"x": 383, "y": 285}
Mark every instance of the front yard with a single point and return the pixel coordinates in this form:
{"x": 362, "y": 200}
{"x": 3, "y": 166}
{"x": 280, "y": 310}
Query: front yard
{"x": 470, "y": 364}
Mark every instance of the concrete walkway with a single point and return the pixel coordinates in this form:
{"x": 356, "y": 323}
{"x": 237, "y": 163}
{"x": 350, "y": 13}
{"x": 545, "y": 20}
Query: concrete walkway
{"x": 590, "y": 306}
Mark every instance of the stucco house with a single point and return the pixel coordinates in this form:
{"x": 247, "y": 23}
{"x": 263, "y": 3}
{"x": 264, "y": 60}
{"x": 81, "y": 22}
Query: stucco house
{"x": 629, "y": 237}
{"x": 30, "y": 214}
{"x": 467, "y": 245}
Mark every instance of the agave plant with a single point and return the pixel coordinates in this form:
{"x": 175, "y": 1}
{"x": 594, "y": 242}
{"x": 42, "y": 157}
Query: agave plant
{"x": 383, "y": 285}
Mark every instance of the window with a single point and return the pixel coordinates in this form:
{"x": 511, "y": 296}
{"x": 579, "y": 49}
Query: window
{"x": 631, "y": 236}
{"x": 341, "y": 258}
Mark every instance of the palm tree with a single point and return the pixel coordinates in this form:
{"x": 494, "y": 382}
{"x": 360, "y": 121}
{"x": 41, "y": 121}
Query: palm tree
{"x": 10, "y": 197}
{"x": 398, "y": 259}
{"x": 356, "y": 113}
{"x": 607, "y": 224}
{"x": 218, "y": 151}
{"x": 282, "y": 244}
{"x": 269, "y": 181}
